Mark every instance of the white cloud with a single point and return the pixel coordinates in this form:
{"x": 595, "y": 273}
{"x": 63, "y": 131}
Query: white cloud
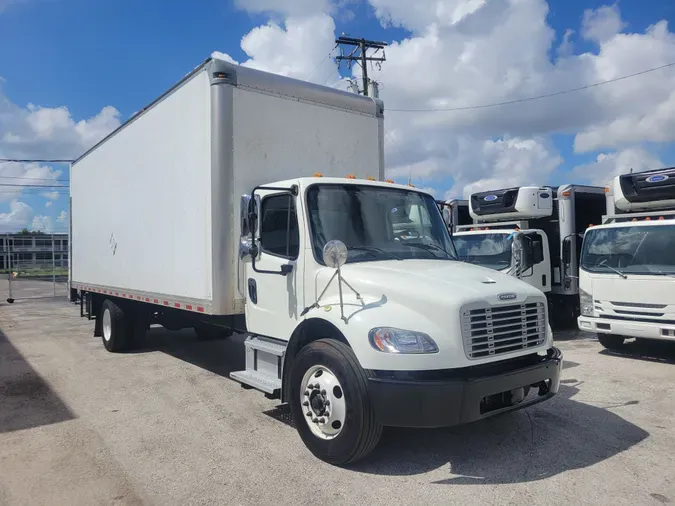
{"x": 49, "y": 203}
{"x": 602, "y": 24}
{"x": 609, "y": 165}
{"x": 45, "y": 132}
{"x": 18, "y": 217}
{"x": 286, "y": 7}
{"x": 297, "y": 48}
{"x": 42, "y": 223}
{"x": 54, "y": 195}
{"x": 28, "y": 174}
{"x": 62, "y": 218}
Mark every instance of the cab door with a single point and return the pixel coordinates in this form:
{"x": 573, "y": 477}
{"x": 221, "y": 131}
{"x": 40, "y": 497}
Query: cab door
{"x": 537, "y": 268}
{"x": 273, "y": 279}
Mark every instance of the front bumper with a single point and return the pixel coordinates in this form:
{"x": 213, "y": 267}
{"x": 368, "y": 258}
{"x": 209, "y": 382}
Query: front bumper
{"x": 647, "y": 330}
{"x": 453, "y": 397}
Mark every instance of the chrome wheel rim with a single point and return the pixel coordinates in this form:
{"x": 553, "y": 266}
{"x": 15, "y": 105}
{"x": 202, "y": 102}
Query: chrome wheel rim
{"x": 323, "y": 402}
{"x": 107, "y": 325}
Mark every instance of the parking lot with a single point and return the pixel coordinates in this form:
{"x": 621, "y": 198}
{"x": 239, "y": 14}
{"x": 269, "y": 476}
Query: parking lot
{"x": 166, "y": 425}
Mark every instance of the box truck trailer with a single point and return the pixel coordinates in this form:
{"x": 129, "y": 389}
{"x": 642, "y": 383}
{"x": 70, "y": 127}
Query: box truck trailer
{"x": 535, "y": 234}
{"x": 249, "y": 202}
{"x": 627, "y": 275}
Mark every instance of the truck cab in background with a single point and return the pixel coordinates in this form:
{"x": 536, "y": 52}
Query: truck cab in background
{"x": 534, "y": 233}
{"x": 455, "y": 213}
{"x": 627, "y": 268}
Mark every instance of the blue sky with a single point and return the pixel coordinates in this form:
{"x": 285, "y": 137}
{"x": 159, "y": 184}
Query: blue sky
{"x": 87, "y": 55}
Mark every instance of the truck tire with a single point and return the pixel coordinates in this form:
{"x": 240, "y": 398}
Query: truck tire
{"x": 330, "y": 404}
{"x": 611, "y": 341}
{"x": 114, "y": 327}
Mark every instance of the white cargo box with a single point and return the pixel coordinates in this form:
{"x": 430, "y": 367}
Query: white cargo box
{"x": 155, "y": 205}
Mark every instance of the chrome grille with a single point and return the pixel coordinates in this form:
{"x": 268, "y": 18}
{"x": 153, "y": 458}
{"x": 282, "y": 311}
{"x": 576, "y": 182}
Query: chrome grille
{"x": 498, "y": 330}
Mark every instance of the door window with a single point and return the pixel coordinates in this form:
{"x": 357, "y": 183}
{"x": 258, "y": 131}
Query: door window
{"x": 279, "y": 233}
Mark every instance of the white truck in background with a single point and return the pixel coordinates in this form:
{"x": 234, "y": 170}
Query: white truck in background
{"x": 627, "y": 275}
{"x": 206, "y": 211}
{"x": 455, "y": 213}
{"x": 535, "y": 234}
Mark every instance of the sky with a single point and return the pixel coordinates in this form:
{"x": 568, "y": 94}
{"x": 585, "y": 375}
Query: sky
{"x": 73, "y": 70}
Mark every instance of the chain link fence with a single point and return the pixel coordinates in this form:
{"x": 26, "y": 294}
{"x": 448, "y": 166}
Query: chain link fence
{"x": 33, "y": 266}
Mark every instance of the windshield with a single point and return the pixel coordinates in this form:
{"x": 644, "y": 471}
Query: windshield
{"x": 630, "y": 249}
{"x": 487, "y": 250}
{"x": 377, "y": 223}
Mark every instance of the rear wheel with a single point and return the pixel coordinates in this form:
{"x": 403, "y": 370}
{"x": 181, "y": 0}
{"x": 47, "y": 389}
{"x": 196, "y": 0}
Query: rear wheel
{"x": 611, "y": 341}
{"x": 113, "y": 326}
{"x": 330, "y": 404}
{"x": 120, "y": 330}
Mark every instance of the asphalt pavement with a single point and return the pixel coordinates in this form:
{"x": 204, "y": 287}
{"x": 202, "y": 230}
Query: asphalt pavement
{"x": 165, "y": 425}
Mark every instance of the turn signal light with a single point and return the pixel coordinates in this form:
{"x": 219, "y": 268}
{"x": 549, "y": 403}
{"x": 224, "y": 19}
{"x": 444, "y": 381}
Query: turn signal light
{"x": 566, "y": 194}
{"x": 318, "y": 174}
{"x": 634, "y": 219}
{"x": 660, "y": 218}
{"x": 411, "y": 185}
{"x": 606, "y": 189}
{"x": 371, "y": 178}
{"x": 648, "y": 218}
{"x": 351, "y": 176}
{"x": 389, "y": 181}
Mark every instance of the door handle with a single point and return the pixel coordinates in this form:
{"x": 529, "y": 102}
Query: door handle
{"x": 252, "y": 291}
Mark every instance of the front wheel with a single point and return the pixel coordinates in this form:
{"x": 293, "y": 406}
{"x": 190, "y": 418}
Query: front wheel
{"x": 610, "y": 341}
{"x": 330, "y": 404}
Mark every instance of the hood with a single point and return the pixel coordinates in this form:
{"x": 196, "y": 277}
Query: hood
{"x": 436, "y": 281}
{"x": 635, "y": 289}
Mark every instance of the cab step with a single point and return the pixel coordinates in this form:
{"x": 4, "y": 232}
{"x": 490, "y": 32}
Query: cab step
{"x": 264, "y": 365}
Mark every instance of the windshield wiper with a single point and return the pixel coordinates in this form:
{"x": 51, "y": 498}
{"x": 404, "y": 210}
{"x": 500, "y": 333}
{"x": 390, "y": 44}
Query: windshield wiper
{"x": 427, "y": 247}
{"x": 373, "y": 249}
{"x": 604, "y": 264}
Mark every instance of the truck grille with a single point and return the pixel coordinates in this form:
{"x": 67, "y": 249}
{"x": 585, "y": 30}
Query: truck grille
{"x": 498, "y": 330}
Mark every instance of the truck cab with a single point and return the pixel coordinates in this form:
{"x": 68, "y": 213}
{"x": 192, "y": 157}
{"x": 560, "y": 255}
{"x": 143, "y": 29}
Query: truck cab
{"x": 513, "y": 251}
{"x": 533, "y": 233}
{"x": 627, "y": 271}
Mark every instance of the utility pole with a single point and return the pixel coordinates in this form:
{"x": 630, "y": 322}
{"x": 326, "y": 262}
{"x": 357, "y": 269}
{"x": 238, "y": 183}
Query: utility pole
{"x": 359, "y": 54}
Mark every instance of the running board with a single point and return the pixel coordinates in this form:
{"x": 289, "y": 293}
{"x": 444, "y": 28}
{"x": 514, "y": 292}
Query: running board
{"x": 264, "y": 365}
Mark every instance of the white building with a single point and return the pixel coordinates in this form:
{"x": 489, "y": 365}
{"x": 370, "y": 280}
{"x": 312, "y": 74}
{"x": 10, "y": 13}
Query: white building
{"x": 33, "y": 251}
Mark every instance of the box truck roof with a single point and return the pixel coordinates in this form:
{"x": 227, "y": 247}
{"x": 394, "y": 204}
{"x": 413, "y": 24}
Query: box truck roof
{"x": 268, "y": 83}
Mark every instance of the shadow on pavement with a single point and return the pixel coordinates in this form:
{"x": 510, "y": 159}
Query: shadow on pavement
{"x": 219, "y": 356}
{"x": 533, "y": 444}
{"x": 26, "y": 400}
{"x": 528, "y": 445}
{"x": 648, "y": 350}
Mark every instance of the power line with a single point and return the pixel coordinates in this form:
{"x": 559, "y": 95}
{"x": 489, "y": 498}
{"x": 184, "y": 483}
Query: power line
{"x": 33, "y": 185}
{"x": 33, "y": 160}
{"x": 319, "y": 64}
{"x": 36, "y": 179}
{"x": 538, "y": 97}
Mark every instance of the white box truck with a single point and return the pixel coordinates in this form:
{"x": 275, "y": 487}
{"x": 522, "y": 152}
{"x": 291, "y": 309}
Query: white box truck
{"x": 206, "y": 211}
{"x": 534, "y": 233}
{"x": 627, "y": 276}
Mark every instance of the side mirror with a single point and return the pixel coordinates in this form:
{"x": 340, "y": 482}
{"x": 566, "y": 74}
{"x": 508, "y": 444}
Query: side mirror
{"x": 537, "y": 252}
{"x": 245, "y": 239}
{"x": 243, "y": 215}
{"x": 567, "y": 250}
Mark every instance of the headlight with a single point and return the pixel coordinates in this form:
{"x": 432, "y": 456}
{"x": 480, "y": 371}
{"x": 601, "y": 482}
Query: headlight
{"x": 391, "y": 340}
{"x": 586, "y": 303}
